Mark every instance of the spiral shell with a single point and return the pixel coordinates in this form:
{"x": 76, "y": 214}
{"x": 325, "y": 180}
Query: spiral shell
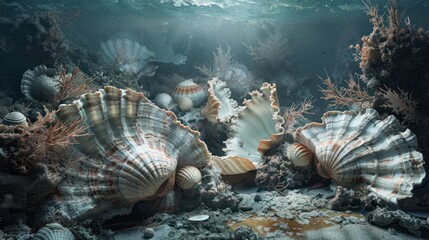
{"x": 53, "y": 231}
{"x": 354, "y": 149}
{"x": 133, "y": 148}
{"x": 15, "y": 118}
{"x": 256, "y": 129}
{"x": 164, "y": 100}
{"x": 128, "y": 56}
{"x": 220, "y": 106}
{"x": 36, "y": 85}
{"x": 188, "y": 177}
{"x": 299, "y": 154}
{"x": 191, "y": 90}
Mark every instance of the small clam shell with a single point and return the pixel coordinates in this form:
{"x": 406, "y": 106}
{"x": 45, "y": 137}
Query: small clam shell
{"x": 191, "y": 90}
{"x": 188, "y": 177}
{"x": 184, "y": 104}
{"x": 14, "y": 118}
{"x": 198, "y": 218}
{"x": 36, "y": 85}
{"x": 53, "y": 231}
{"x": 299, "y": 154}
{"x": 164, "y": 100}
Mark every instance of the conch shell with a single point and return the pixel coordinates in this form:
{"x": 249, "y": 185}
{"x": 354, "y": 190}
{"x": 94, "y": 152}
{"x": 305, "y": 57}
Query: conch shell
{"x": 220, "y": 106}
{"x": 256, "y": 129}
{"x": 133, "y": 147}
{"x": 354, "y": 149}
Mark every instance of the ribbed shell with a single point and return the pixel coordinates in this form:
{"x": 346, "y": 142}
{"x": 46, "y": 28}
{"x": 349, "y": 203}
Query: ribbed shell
{"x": 53, "y": 231}
{"x": 133, "y": 148}
{"x": 14, "y": 118}
{"x": 168, "y": 203}
{"x": 299, "y": 154}
{"x": 127, "y": 56}
{"x": 188, "y": 177}
{"x": 164, "y": 100}
{"x": 191, "y": 90}
{"x": 239, "y": 80}
{"x": 256, "y": 129}
{"x": 36, "y": 85}
{"x": 354, "y": 148}
{"x": 220, "y": 106}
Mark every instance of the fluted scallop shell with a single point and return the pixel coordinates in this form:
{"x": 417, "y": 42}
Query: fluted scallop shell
{"x": 36, "y": 85}
{"x": 357, "y": 149}
{"x": 164, "y": 100}
{"x": 133, "y": 148}
{"x": 299, "y": 154}
{"x": 256, "y": 129}
{"x": 191, "y": 90}
{"x": 220, "y": 106}
{"x": 127, "y": 56}
{"x": 14, "y": 118}
{"x": 188, "y": 177}
{"x": 53, "y": 231}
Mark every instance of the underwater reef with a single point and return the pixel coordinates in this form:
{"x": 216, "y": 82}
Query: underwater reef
{"x": 140, "y": 134}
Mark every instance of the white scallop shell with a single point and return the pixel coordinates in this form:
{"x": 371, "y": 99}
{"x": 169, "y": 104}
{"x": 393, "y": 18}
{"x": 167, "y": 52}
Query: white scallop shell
{"x": 53, "y": 231}
{"x": 164, "y": 100}
{"x": 256, "y": 129}
{"x": 127, "y": 56}
{"x": 133, "y": 148}
{"x": 354, "y": 149}
{"x": 220, "y": 106}
{"x": 239, "y": 80}
{"x": 188, "y": 177}
{"x": 36, "y": 85}
{"x": 299, "y": 154}
{"x": 191, "y": 90}
{"x": 14, "y": 118}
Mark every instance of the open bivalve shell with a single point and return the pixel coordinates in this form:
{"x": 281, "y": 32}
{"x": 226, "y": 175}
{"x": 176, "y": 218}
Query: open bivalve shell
{"x": 191, "y": 90}
{"x": 128, "y": 56}
{"x": 255, "y": 129}
{"x": 220, "y": 106}
{"x": 37, "y": 85}
{"x": 53, "y": 231}
{"x": 132, "y": 150}
{"x": 354, "y": 149}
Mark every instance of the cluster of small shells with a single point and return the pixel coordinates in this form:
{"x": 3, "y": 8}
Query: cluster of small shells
{"x": 53, "y": 231}
{"x": 188, "y": 94}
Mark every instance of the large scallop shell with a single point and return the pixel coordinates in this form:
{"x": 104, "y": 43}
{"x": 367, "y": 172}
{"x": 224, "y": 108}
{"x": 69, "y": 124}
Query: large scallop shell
{"x": 188, "y": 177}
{"x": 357, "y": 149}
{"x": 256, "y": 129}
{"x": 299, "y": 154}
{"x": 36, "y": 85}
{"x": 191, "y": 90}
{"x": 133, "y": 148}
{"x": 14, "y": 118}
{"x": 220, "y": 106}
{"x": 53, "y": 231}
{"x": 128, "y": 56}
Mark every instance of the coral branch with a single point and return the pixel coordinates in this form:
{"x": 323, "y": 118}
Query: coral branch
{"x": 401, "y": 103}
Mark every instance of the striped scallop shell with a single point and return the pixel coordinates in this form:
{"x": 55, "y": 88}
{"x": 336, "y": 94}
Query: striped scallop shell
{"x": 188, "y": 177}
{"x": 127, "y": 56}
{"x": 357, "y": 149}
{"x": 299, "y": 155}
{"x": 256, "y": 129}
{"x": 36, "y": 85}
{"x": 191, "y": 90}
{"x": 14, "y": 118}
{"x": 53, "y": 231}
{"x": 133, "y": 148}
{"x": 220, "y": 106}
